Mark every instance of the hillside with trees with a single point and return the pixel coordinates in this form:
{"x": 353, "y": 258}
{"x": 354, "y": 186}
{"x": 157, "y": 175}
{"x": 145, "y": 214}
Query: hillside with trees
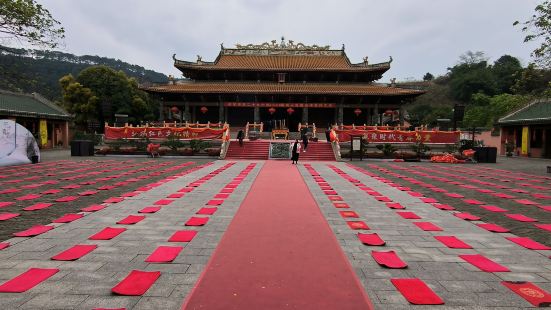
{"x": 29, "y": 70}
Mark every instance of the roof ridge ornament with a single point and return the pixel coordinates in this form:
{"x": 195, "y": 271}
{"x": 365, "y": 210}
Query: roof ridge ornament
{"x": 283, "y": 45}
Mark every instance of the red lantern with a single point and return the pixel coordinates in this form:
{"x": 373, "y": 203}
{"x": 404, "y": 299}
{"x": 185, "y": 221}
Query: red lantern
{"x": 175, "y": 109}
{"x": 290, "y": 111}
{"x": 204, "y": 110}
{"x": 272, "y": 110}
{"x": 358, "y": 112}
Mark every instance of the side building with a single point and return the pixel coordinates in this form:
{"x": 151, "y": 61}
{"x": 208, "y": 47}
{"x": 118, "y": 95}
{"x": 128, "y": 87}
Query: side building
{"x": 48, "y": 122}
{"x": 286, "y": 81}
{"x": 528, "y": 130}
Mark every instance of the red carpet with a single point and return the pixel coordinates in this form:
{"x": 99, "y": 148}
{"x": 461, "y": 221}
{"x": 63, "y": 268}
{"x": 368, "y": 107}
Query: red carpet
{"x": 278, "y": 253}
{"x": 131, "y": 219}
{"x": 417, "y": 292}
{"x": 107, "y": 233}
{"x": 453, "y": 242}
{"x": 27, "y": 280}
{"x": 67, "y": 218}
{"x": 34, "y": 231}
{"x": 528, "y": 243}
{"x": 388, "y": 259}
{"x": 136, "y": 283}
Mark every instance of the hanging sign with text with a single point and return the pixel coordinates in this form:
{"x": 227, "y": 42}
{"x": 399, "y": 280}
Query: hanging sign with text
{"x": 162, "y": 133}
{"x": 399, "y": 136}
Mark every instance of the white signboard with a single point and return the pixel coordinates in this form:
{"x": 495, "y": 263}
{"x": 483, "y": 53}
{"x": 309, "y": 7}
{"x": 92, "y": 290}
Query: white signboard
{"x": 356, "y": 144}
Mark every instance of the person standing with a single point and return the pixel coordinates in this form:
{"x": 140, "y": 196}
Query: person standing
{"x": 240, "y": 136}
{"x": 295, "y": 152}
{"x": 305, "y": 141}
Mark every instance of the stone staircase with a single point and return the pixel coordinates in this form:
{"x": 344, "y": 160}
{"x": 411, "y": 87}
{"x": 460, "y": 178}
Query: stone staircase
{"x": 318, "y": 151}
{"x": 259, "y": 149}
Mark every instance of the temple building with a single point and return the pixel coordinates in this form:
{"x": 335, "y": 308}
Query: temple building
{"x": 286, "y": 81}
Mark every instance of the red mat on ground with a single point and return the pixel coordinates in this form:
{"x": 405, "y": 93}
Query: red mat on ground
{"x": 409, "y": 215}
{"x": 67, "y": 218}
{"x": 417, "y": 292}
{"x": 544, "y": 226}
{"x": 546, "y": 208}
{"x": 107, "y": 233}
{"x": 197, "y": 221}
{"x": 442, "y": 206}
{"x": 494, "y": 209}
{"x": 93, "y": 208}
{"x": 50, "y": 191}
{"x": 388, "y": 259}
{"x": 427, "y": 226}
{"x": 335, "y": 198}
{"x": 136, "y": 283}
{"x": 113, "y": 200}
{"x": 231, "y": 281}
{"x": 429, "y": 200}
{"x": 34, "y": 231}
{"x": 341, "y": 205}
{"x": 75, "y": 252}
{"x": 67, "y": 199}
{"x": 27, "y": 280}
{"x": 529, "y": 291}
{"x": 87, "y": 193}
{"x": 38, "y": 206}
{"x": 349, "y": 214}
{"x": 526, "y": 202}
{"x": 483, "y": 263}
{"x": 4, "y": 245}
{"x": 176, "y": 195}
{"x": 493, "y": 228}
{"x": 6, "y": 203}
{"x": 28, "y": 197}
{"x": 183, "y": 236}
{"x": 163, "y": 202}
{"x": 371, "y": 239}
{"x": 520, "y": 217}
{"x": 453, "y": 242}
{"x": 357, "y": 225}
{"x": 215, "y": 202}
{"x": 131, "y": 219}
{"x": 149, "y": 210}
{"x": 467, "y": 216}
{"x": 528, "y": 243}
{"x": 394, "y": 205}
{"x": 454, "y": 195}
{"x": 473, "y": 202}
{"x": 207, "y": 211}
{"x": 164, "y": 254}
{"x": 7, "y": 216}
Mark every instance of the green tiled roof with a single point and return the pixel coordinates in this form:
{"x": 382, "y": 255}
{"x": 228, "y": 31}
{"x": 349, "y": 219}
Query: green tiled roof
{"x": 537, "y": 112}
{"x": 27, "y": 105}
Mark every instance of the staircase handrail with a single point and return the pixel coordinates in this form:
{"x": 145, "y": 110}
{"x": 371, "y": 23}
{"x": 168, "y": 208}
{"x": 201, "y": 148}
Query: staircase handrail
{"x": 225, "y": 143}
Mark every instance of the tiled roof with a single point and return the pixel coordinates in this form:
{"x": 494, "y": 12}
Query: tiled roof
{"x": 286, "y": 88}
{"x": 27, "y": 105}
{"x": 537, "y": 112}
{"x": 282, "y": 62}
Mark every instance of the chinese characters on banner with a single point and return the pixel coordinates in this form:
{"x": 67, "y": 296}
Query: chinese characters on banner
{"x": 162, "y": 133}
{"x": 397, "y": 136}
{"x": 43, "y": 128}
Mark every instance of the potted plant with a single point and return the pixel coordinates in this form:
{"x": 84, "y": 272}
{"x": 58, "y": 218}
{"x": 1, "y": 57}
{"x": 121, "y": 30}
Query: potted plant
{"x": 387, "y": 149}
{"x": 420, "y": 149}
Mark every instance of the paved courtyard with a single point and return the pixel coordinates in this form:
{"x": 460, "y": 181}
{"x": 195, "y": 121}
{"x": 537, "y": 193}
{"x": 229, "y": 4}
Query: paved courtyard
{"x": 153, "y": 205}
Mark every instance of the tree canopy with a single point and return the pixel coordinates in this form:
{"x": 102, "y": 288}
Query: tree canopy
{"x": 26, "y": 20}
{"x": 99, "y": 92}
{"x": 538, "y": 28}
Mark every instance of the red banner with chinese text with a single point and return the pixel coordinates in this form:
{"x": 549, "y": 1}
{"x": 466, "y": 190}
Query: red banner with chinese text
{"x": 399, "y": 136}
{"x": 162, "y": 133}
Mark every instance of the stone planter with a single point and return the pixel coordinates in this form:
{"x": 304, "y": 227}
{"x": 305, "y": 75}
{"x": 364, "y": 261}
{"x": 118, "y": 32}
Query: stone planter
{"x": 185, "y": 151}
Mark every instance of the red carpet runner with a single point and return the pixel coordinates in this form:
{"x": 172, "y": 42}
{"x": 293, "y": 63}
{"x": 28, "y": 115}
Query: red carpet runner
{"x": 278, "y": 253}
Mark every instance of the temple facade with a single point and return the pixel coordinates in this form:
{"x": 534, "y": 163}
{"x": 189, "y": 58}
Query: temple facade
{"x": 284, "y": 82}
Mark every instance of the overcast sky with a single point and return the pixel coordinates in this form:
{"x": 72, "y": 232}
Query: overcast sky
{"x": 421, "y": 35}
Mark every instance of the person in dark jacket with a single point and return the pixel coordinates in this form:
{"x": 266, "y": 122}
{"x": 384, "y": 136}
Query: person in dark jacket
{"x": 240, "y": 136}
{"x": 305, "y": 141}
{"x": 328, "y": 133}
{"x": 295, "y": 152}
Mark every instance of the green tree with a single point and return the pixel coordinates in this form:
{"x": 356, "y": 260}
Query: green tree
{"x": 506, "y": 71}
{"x": 533, "y": 81}
{"x": 538, "y": 28}
{"x": 470, "y": 76}
{"x": 79, "y": 101}
{"x": 486, "y": 111}
{"x": 111, "y": 92}
{"x": 26, "y": 20}
{"x": 428, "y": 77}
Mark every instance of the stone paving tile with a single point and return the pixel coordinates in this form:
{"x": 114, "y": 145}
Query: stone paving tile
{"x": 458, "y": 283}
{"x": 87, "y": 282}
